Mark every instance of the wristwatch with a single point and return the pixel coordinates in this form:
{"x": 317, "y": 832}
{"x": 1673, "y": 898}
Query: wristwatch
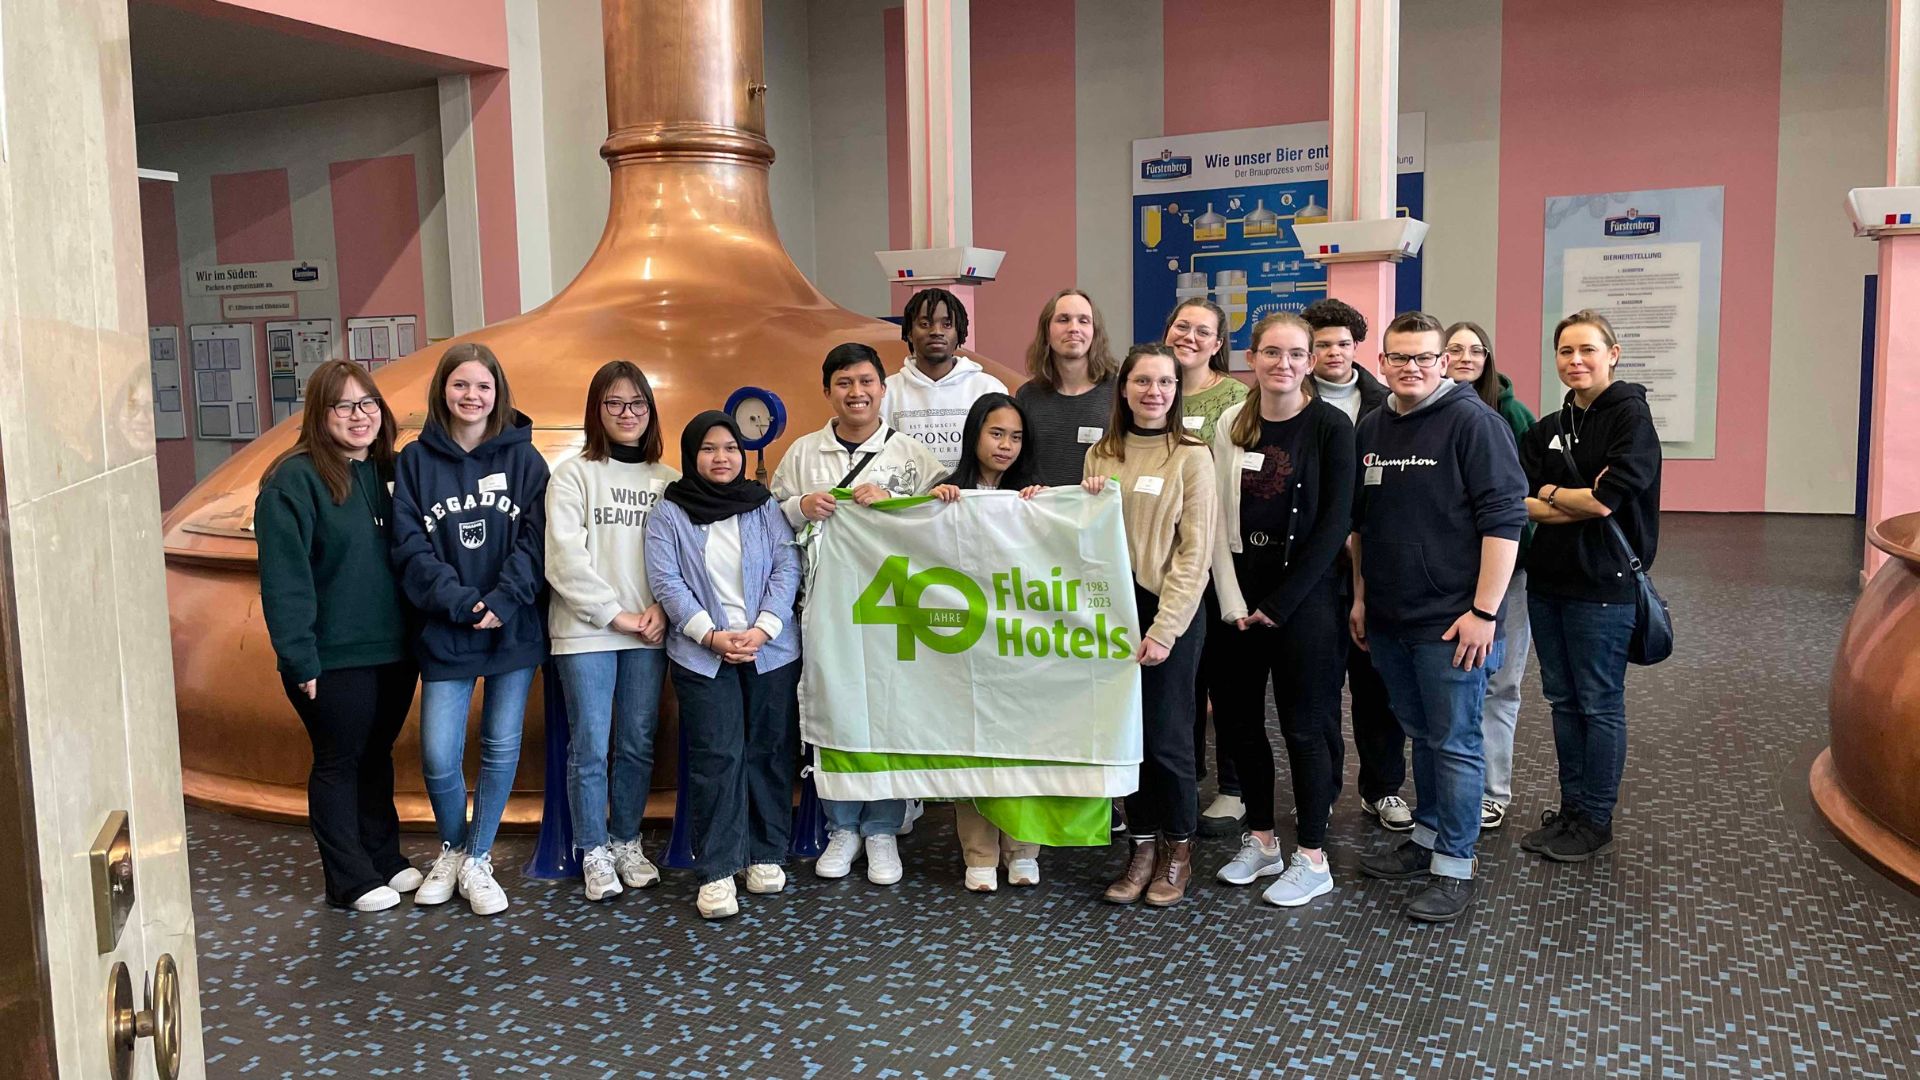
{"x": 1487, "y": 615}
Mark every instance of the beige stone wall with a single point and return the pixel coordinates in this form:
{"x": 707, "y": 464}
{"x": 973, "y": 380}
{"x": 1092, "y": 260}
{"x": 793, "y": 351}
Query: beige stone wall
{"x": 83, "y": 507}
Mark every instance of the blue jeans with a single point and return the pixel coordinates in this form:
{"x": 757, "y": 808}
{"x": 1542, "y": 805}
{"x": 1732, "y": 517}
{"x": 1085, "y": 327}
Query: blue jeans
{"x": 444, "y": 704}
{"x": 882, "y": 817}
{"x": 742, "y": 729}
{"x": 1582, "y": 646}
{"x": 1439, "y": 705}
{"x": 612, "y": 698}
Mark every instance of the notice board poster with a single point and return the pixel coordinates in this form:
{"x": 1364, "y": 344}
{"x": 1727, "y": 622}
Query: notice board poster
{"x": 1213, "y": 217}
{"x": 1650, "y": 262}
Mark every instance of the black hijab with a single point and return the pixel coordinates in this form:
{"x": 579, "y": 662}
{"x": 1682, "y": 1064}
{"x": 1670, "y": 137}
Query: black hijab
{"x": 705, "y": 501}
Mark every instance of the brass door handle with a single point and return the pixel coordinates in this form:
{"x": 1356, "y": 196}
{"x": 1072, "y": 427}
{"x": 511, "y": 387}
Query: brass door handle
{"x": 159, "y": 1021}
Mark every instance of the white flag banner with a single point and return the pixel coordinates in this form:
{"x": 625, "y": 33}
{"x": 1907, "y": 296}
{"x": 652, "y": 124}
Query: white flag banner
{"x": 972, "y": 649}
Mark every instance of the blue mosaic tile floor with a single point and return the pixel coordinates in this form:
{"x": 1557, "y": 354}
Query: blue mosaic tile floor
{"x": 1729, "y": 937}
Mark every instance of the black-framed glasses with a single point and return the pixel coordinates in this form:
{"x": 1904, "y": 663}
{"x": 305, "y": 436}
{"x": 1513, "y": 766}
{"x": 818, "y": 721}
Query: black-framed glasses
{"x": 1424, "y": 361}
{"x": 365, "y": 406}
{"x": 616, "y": 407}
{"x": 1478, "y": 352}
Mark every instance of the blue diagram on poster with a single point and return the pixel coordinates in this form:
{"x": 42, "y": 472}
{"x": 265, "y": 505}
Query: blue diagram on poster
{"x": 1214, "y": 214}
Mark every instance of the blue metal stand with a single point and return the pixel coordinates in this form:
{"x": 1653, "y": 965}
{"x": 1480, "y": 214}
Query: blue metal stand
{"x": 680, "y": 843}
{"x": 553, "y": 855}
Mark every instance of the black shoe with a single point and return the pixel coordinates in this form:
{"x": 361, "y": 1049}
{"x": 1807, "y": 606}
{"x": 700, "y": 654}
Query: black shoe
{"x": 1581, "y": 841}
{"x": 1402, "y": 863}
{"x": 1552, "y": 824}
{"x": 1119, "y": 823}
{"x": 1443, "y": 900}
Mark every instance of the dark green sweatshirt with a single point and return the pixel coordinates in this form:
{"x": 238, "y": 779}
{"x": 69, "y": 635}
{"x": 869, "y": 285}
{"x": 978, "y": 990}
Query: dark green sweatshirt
{"x": 1521, "y": 421}
{"x": 325, "y": 581}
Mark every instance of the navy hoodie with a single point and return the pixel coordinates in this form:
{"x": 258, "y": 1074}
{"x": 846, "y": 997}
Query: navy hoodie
{"x": 1431, "y": 484}
{"x": 470, "y": 528}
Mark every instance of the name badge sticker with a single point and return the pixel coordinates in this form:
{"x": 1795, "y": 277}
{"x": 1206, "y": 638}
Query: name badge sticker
{"x": 1252, "y": 462}
{"x": 1194, "y": 423}
{"x": 1372, "y": 478}
{"x": 1149, "y": 485}
{"x": 389, "y": 487}
{"x": 1091, "y": 435}
{"x": 495, "y": 482}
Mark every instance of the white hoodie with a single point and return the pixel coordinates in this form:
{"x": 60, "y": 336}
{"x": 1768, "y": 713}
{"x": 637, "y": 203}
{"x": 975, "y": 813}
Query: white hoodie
{"x": 935, "y": 412}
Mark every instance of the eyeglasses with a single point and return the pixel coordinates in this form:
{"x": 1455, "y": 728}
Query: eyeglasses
{"x": 1148, "y": 382}
{"x": 1198, "y": 333}
{"x": 1475, "y": 351}
{"x": 1293, "y": 356}
{"x": 616, "y": 407}
{"x": 1423, "y": 361}
{"x": 365, "y": 406}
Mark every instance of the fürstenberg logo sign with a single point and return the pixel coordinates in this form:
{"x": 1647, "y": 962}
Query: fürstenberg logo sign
{"x": 1022, "y": 604}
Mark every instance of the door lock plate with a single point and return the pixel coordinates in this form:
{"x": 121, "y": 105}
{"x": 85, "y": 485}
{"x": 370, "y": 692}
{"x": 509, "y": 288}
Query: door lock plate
{"x": 112, "y": 861}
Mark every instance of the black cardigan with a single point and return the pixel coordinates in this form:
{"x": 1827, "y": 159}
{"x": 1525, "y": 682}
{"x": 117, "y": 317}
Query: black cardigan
{"x": 1310, "y": 558}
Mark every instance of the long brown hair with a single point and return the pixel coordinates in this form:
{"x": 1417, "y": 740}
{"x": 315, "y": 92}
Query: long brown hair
{"x": 437, "y": 411}
{"x": 1487, "y": 385}
{"x": 595, "y": 424}
{"x": 1245, "y": 432}
{"x": 1223, "y": 339}
{"x": 324, "y": 388}
{"x": 1100, "y": 362}
{"x": 1114, "y": 443}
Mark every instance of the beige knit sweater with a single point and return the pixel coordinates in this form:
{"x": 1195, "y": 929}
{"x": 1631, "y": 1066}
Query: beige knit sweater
{"x": 1169, "y": 504}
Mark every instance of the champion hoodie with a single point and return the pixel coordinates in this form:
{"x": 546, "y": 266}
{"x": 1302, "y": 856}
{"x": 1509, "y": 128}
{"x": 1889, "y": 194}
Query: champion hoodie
{"x": 469, "y": 528}
{"x": 936, "y": 412}
{"x": 1432, "y": 482}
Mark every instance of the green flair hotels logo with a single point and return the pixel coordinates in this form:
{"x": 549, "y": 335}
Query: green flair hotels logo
{"x": 1021, "y": 604}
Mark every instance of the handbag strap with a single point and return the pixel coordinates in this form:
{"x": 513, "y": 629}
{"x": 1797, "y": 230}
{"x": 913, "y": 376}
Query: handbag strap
{"x": 865, "y": 460}
{"x": 1633, "y": 558}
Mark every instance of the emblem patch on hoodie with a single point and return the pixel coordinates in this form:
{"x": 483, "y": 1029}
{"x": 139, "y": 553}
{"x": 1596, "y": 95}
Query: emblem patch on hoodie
{"x": 473, "y": 534}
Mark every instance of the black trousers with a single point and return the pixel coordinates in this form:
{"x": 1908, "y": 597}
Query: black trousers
{"x": 1167, "y": 801}
{"x": 742, "y": 731}
{"x": 1303, "y": 660}
{"x": 1377, "y": 734}
{"x": 352, "y": 721}
{"x": 1203, "y": 692}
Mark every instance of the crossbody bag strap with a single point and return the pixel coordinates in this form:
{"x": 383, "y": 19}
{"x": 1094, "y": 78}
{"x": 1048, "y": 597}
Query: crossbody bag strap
{"x": 1633, "y": 558}
{"x": 865, "y": 460}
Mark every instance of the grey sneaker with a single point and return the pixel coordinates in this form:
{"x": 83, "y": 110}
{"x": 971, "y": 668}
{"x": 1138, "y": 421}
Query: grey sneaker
{"x": 596, "y": 867}
{"x": 636, "y": 870}
{"x": 1253, "y": 863}
{"x": 1301, "y": 883}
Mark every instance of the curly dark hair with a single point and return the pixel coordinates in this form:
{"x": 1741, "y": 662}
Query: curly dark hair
{"x": 1330, "y": 312}
{"x": 925, "y": 302}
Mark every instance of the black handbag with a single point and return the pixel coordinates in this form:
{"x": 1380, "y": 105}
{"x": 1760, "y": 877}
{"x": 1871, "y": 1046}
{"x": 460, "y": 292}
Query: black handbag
{"x": 1652, "y": 639}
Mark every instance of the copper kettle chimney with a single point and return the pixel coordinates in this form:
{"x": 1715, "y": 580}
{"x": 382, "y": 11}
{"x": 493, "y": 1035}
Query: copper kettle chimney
{"x": 689, "y": 280}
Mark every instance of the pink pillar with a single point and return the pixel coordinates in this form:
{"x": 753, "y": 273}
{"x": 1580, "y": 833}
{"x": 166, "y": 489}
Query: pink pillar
{"x": 1893, "y": 480}
{"x": 1368, "y": 286}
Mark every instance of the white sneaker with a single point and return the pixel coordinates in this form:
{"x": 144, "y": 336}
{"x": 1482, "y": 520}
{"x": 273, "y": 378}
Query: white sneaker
{"x": 441, "y": 877}
{"x": 1302, "y": 882}
{"x": 765, "y": 878}
{"x": 636, "y": 870}
{"x": 596, "y": 868}
{"x": 982, "y": 878}
{"x": 380, "y": 898}
{"x": 837, "y": 861}
{"x": 1493, "y": 813}
{"x": 1023, "y": 872}
{"x": 406, "y": 880}
{"x": 914, "y": 810}
{"x": 717, "y": 899}
{"x": 1253, "y": 863}
{"x": 1392, "y": 812}
{"x": 484, "y": 895}
{"x": 883, "y": 860}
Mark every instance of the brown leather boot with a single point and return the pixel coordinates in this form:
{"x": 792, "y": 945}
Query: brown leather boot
{"x": 1133, "y": 880}
{"x": 1171, "y": 873}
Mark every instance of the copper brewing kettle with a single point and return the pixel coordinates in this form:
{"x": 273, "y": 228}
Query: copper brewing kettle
{"x": 689, "y": 281}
